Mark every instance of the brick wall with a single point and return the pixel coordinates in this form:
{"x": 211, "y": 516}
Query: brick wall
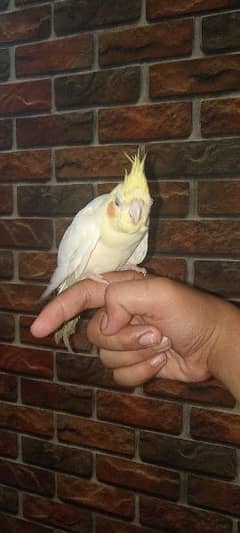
{"x": 80, "y": 82}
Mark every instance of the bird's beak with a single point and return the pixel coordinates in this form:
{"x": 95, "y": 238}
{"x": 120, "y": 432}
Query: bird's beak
{"x": 135, "y": 210}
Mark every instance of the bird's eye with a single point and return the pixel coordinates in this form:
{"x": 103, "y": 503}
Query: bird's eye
{"x": 117, "y": 202}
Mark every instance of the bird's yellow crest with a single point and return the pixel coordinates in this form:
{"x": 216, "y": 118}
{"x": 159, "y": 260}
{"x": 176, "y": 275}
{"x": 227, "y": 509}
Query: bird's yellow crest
{"x": 136, "y": 179}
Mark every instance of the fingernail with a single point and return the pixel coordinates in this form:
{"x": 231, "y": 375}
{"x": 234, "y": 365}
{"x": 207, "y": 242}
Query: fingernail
{"x": 104, "y": 321}
{"x": 149, "y": 338}
{"x": 158, "y": 360}
{"x": 165, "y": 343}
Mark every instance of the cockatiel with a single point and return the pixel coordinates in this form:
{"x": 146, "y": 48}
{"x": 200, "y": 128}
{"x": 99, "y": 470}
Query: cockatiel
{"x": 110, "y": 233}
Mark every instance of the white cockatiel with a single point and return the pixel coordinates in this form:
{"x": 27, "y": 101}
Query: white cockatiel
{"x": 110, "y": 233}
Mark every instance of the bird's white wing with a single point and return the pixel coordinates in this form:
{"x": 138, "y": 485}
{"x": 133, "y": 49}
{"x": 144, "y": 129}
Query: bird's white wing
{"x": 78, "y": 242}
{"x": 140, "y": 252}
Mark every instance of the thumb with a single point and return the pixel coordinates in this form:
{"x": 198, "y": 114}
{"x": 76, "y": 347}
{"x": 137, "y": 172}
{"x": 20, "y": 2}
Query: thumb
{"x": 123, "y": 300}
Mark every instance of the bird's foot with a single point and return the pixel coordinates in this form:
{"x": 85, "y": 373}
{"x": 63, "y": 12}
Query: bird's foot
{"x": 136, "y": 268}
{"x": 65, "y": 332}
{"x": 94, "y": 277}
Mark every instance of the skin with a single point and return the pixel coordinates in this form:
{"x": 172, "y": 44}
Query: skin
{"x": 152, "y": 326}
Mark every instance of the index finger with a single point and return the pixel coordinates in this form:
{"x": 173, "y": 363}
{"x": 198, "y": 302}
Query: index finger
{"x": 85, "y": 294}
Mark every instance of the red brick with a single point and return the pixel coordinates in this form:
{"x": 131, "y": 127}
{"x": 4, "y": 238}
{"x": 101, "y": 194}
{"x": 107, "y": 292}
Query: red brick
{"x": 26, "y": 232}
{"x": 159, "y": 121}
{"x": 22, "y": 166}
{"x": 220, "y": 117}
{"x": 206, "y": 392}
{"x": 216, "y": 426}
{"x": 19, "y": 297}
{"x": 193, "y": 159}
{"x": 8, "y": 444}
{"x": 146, "y": 43}
{"x": 195, "y": 76}
{"x": 214, "y": 494}
{"x": 213, "y": 237}
{"x": 54, "y": 456}
{"x": 220, "y": 277}
{"x": 220, "y": 33}
{"x": 55, "y": 56}
{"x": 4, "y": 64}
{"x": 219, "y": 198}
{"x": 25, "y": 97}
{"x": 27, "y": 478}
{"x": 6, "y": 263}
{"x": 8, "y": 387}
{"x": 137, "y": 476}
{"x": 56, "y": 396}
{"x": 166, "y": 267}
{"x": 8, "y": 500}
{"x": 92, "y": 162}
{"x": 96, "y": 495}
{"x": 84, "y": 432}
{"x": 36, "y": 266}
{"x": 61, "y": 224}
{"x": 26, "y": 420}
{"x": 6, "y": 199}
{"x": 30, "y": 361}
{"x": 10, "y": 524}
{"x": 7, "y": 327}
{"x": 69, "y": 128}
{"x": 185, "y": 454}
{"x": 105, "y": 523}
{"x": 157, "y": 9}
{"x": 5, "y": 134}
{"x": 53, "y": 200}
{"x": 174, "y": 517}
{"x": 71, "y": 17}
{"x": 134, "y": 410}
{"x": 56, "y": 514}
{"x": 79, "y": 341}
{"x": 113, "y": 86}
{"x": 25, "y": 25}
{"x": 85, "y": 370}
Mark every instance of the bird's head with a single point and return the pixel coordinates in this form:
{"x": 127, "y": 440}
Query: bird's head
{"x": 130, "y": 202}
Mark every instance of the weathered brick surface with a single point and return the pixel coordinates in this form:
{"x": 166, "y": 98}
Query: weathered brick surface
{"x": 8, "y": 500}
{"x": 218, "y": 198}
{"x": 188, "y": 455}
{"x": 71, "y": 17}
{"x": 5, "y": 133}
{"x": 30, "y": 361}
{"x": 196, "y": 76}
{"x": 19, "y": 297}
{"x": 6, "y": 262}
{"x": 69, "y": 128}
{"x": 96, "y": 495}
{"x": 215, "y": 426}
{"x": 37, "y": 266}
{"x": 4, "y": 64}
{"x": 57, "y": 514}
{"x": 27, "y": 478}
{"x": 220, "y": 277}
{"x": 59, "y": 200}
{"x": 55, "y": 56}
{"x": 145, "y": 122}
{"x": 98, "y": 88}
{"x": 92, "y": 162}
{"x": 25, "y": 97}
{"x": 8, "y": 387}
{"x": 174, "y": 517}
{"x": 83, "y": 370}
{"x": 10, "y": 524}
{"x": 206, "y": 392}
{"x": 84, "y": 432}
{"x": 146, "y": 43}
{"x": 221, "y": 33}
{"x": 22, "y": 166}
{"x": 159, "y": 8}
{"x": 29, "y": 24}
{"x": 214, "y": 494}
{"x": 26, "y": 420}
{"x": 7, "y": 327}
{"x": 8, "y": 444}
{"x": 57, "y": 457}
{"x": 105, "y": 523}
{"x": 137, "y": 476}
{"x": 26, "y": 232}
{"x": 56, "y": 396}
{"x": 220, "y": 117}
{"x": 125, "y": 409}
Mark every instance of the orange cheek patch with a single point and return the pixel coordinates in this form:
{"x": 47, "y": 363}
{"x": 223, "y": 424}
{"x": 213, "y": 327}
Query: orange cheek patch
{"x": 111, "y": 211}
